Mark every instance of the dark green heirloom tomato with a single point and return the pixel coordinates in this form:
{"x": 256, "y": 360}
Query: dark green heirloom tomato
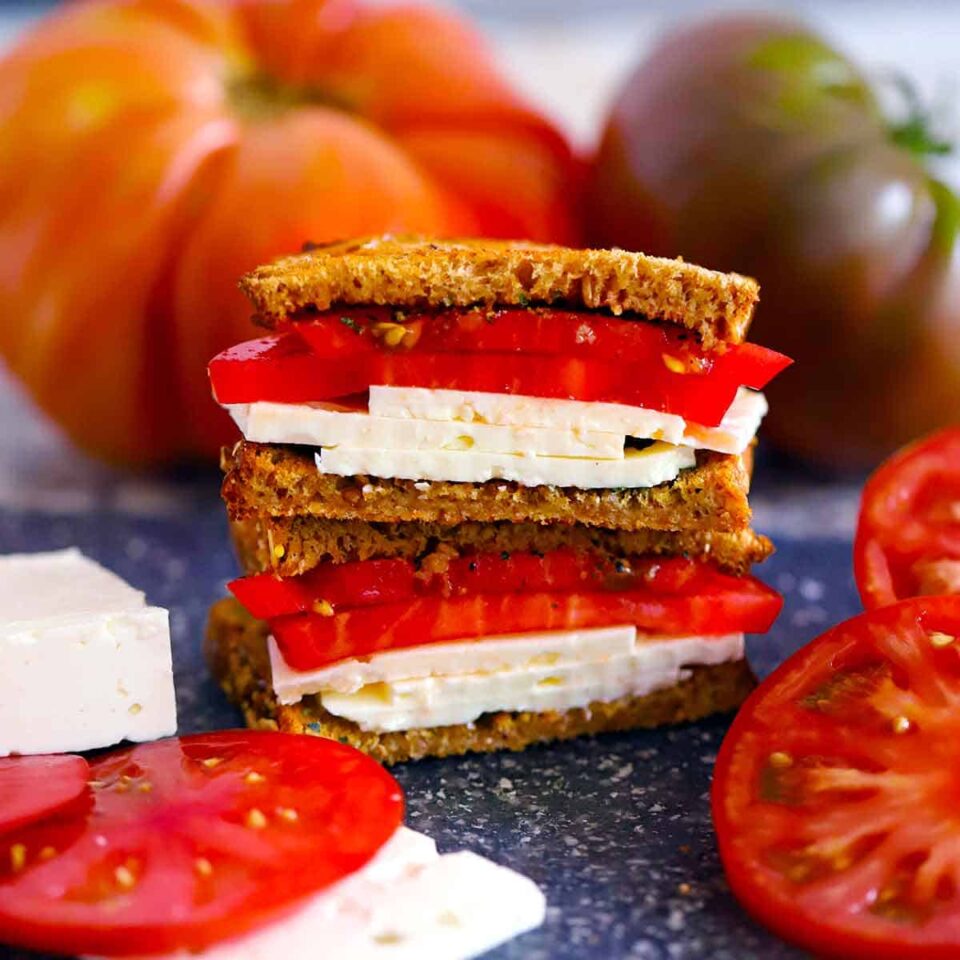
{"x": 747, "y": 143}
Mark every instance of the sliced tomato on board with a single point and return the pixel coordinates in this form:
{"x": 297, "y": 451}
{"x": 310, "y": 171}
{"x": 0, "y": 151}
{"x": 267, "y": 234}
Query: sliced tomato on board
{"x": 33, "y": 788}
{"x": 835, "y": 794}
{"x": 537, "y": 331}
{"x": 190, "y": 841}
{"x": 330, "y": 587}
{"x": 908, "y": 533}
{"x": 282, "y": 369}
{"x": 712, "y": 604}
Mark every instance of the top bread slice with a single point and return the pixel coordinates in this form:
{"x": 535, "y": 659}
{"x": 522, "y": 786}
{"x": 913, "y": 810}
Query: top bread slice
{"x": 414, "y": 272}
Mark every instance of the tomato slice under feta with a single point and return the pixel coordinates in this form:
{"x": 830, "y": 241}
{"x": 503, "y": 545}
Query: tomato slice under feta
{"x": 908, "y": 534}
{"x": 190, "y": 841}
{"x": 835, "y": 791}
{"x": 490, "y": 594}
{"x": 33, "y": 788}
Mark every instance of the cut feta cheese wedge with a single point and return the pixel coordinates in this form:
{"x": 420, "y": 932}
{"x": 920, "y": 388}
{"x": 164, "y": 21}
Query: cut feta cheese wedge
{"x": 734, "y": 434}
{"x": 408, "y": 903}
{"x": 656, "y": 464}
{"x": 554, "y": 670}
{"x": 328, "y": 425}
{"x": 85, "y": 662}
{"x": 487, "y": 655}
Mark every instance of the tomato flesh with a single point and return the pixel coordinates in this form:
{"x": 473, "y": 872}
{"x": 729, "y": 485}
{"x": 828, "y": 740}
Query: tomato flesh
{"x": 33, "y": 788}
{"x": 908, "y": 533}
{"x": 559, "y": 355}
{"x": 190, "y": 841}
{"x": 490, "y": 595}
{"x": 835, "y": 795}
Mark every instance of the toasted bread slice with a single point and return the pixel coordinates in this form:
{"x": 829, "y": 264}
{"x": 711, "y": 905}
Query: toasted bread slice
{"x": 236, "y": 650}
{"x": 417, "y": 272}
{"x": 293, "y": 545}
{"x": 263, "y": 479}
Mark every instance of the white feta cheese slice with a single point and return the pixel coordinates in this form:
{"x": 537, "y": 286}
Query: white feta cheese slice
{"x": 408, "y": 903}
{"x": 486, "y": 655}
{"x": 328, "y": 425}
{"x": 451, "y": 683}
{"x": 653, "y": 465}
{"x": 733, "y": 435}
{"x": 85, "y": 662}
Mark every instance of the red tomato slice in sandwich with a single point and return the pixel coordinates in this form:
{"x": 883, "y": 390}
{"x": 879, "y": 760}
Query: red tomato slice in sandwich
{"x": 332, "y": 587}
{"x": 835, "y": 791}
{"x": 281, "y": 368}
{"x": 908, "y": 534}
{"x": 33, "y": 788}
{"x": 541, "y": 331}
{"x": 191, "y": 841}
{"x": 712, "y": 604}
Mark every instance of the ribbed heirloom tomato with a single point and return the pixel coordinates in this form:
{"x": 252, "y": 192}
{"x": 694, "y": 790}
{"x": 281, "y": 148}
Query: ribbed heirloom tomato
{"x": 151, "y": 151}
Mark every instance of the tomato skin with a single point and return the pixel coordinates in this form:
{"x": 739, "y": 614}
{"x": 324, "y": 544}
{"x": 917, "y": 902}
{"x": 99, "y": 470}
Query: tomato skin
{"x": 708, "y": 603}
{"x": 33, "y": 788}
{"x": 835, "y": 705}
{"x": 280, "y": 368}
{"x": 861, "y": 295}
{"x": 910, "y": 519}
{"x": 160, "y": 808}
{"x": 135, "y": 135}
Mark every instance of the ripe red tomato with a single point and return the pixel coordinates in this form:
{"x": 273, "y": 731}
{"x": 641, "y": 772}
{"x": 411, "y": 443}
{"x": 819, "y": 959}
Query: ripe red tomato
{"x": 194, "y": 840}
{"x": 672, "y": 598}
{"x": 284, "y": 369}
{"x": 152, "y": 151}
{"x": 748, "y": 143}
{"x": 835, "y": 791}
{"x": 33, "y": 788}
{"x": 908, "y": 533}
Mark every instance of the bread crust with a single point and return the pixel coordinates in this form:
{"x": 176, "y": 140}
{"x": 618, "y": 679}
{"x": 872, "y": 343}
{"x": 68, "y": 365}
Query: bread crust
{"x": 278, "y": 481}
{"x": 408, "y": 271}
{"x": 289, "y": 546}
{"x": 235, "y": 647}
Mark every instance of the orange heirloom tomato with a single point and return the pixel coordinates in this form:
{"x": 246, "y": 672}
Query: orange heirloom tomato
{"x": 151, "y": 151}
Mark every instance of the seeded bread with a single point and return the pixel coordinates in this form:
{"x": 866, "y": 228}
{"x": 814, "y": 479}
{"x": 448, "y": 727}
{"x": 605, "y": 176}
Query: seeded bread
{"x": 236, "y": 650}
{"x": 293, "y": 545}
{"x": 278, "y": 481}
{"x": 416, "y": 272}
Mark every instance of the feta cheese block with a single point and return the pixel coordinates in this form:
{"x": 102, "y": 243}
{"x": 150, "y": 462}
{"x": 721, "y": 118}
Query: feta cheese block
{"x": 733, "y": 435}
{"x": 649, "y": 467}
{"x": 408, "y": 903}
{"x": 455, "y": 683}
{"x": 85, "y": 662}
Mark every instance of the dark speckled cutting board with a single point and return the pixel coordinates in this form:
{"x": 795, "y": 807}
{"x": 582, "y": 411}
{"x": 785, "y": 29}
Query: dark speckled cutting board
{"x": 615, "y": 829}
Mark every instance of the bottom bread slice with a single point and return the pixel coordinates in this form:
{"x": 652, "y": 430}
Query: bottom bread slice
{"x": 236, "y": 650}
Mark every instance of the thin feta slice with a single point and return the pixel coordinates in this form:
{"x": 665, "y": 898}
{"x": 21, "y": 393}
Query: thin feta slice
{"x": 408, "y": 903}
{"x": 328, "y": 425}
{"x": 438, "y": 701}
{"x": 85, "y": 662}
{"x": 733, "y": 435}
{"x": 653, "y": 465}
{"x": 487, "y": 655}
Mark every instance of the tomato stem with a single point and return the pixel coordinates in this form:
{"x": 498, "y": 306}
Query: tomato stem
{"x": 917, "y": 131}
{"x": 257, "y": 96}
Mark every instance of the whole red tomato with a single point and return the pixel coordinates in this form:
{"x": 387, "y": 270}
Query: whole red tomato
{"x": 151, "y": 151}
{"x": 747, "y": 143}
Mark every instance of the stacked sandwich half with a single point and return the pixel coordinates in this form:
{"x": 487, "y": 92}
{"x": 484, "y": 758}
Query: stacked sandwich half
{"x": 490, "y": 494}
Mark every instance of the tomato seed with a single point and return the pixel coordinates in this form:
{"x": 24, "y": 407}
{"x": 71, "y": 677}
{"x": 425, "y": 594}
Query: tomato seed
{"x": 255, "y": 819}
{"x": 253, "y": 777}
{"x": 18, "y": 857}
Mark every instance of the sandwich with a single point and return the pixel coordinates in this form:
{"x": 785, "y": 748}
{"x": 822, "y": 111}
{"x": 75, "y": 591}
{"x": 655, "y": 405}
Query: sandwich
{"x": 489, "y": 494}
